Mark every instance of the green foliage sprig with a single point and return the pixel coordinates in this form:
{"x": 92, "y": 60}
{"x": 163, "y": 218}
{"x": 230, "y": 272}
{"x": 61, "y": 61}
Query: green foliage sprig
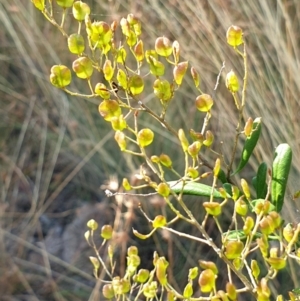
{"x": 126, "y": 66}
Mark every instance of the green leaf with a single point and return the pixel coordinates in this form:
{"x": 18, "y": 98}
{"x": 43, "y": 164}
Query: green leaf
{"x": 249, "y": 145}
{"x": 296, "y": 291}
{"x": 280, "y": 173}
{"x": 234, "y": 235}
{"x": 227, "y": 187}
{"x": 192, "y": 188}
{"x": 222, "y": 176}
{"x": 261, "y": 178}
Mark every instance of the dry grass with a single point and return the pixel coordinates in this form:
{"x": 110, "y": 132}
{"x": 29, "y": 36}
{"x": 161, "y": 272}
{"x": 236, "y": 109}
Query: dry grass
{"x": 51, "y": 147}
{"x": 54, "y": 148}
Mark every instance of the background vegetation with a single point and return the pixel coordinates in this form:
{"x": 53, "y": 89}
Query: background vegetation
{"x": 56, "y": 152}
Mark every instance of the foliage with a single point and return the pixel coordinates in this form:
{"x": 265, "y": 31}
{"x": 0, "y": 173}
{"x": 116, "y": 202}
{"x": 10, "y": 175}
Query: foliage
{"x": 246, "y": 246}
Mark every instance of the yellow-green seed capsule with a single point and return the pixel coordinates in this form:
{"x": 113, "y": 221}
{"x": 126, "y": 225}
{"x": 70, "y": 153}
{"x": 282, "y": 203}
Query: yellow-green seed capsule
{"x": 92, "y": 224}
{"x": 217, "y": 167}
{"x": 183, "y": 140}
{"x": 248, "y": 127}
{"x": 208, "y": 265}
{"x": 80, "y": 10}
{"x": 161, "y": 270}
{"x": 192, "y": 172}
{"x": 288, "y": 232}
{"x": 108, "y": 291}
{"x": 241, "y": 207}
{"x": 234, "y": 36}
{"x": 179, "y": 72}
{"x": 142, "y": 276}
{"x": 213, "y": 208}
{"x": 163, "y": 46}
{"x": 176, "y": 51}
{"x": 165, "y": 160}
{"x": 145, "y": 137}
{"x": 266, "y": 225}
{"x": 188, "y": 290}
{"x": 248, "y": 225}
{"x": 194, "y": 149}
{"x": 209, "y": 138}
{"x": 204, "y": 103}
{"x": 232, "y": 82}
{"x": 163, "y": 189}
{"x": 106, "y": 232}
{"x": 255, "y": 269}
{"x": 231, "y": 291}
{"x": 234, "y": 249}
{"x": 126, "y": 184}
{"x": 39, "y": 4}
{"x": 193, "y": 273}
{"x": 195, "y": 76}
{"x": 207, "y": 281}
{"x": 132, "y": 250}
{"x": 159, "y": 221}
{"x": 245, "y": 188}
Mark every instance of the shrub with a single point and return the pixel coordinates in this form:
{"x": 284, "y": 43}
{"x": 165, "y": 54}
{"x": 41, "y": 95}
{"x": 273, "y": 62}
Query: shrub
{"x": 257, "y": 244}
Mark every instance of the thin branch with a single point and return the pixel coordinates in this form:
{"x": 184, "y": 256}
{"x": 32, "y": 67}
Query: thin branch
{"x": 219, "y": 76}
